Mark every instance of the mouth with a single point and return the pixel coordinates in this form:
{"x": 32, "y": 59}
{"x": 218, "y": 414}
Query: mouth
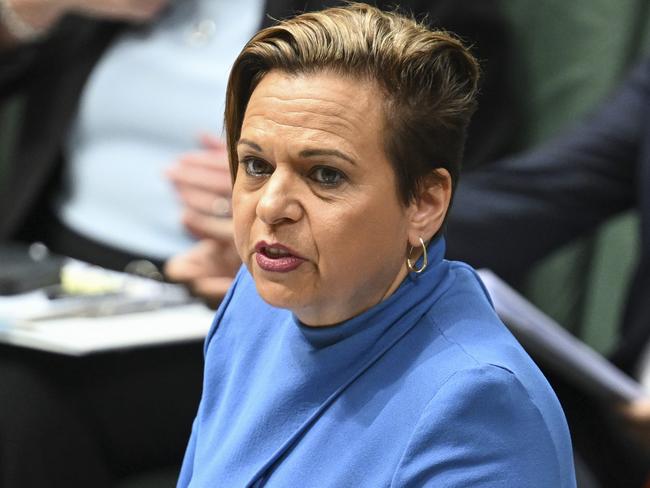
{"x": 276, "y": 257}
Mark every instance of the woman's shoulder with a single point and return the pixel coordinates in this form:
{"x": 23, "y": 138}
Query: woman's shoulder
{"x": 477, "y": 358}
{"x": 464, "y": 316}
{"x": 481, "y": 352}
{"x": 484, "y": 416}
{"x": 488, "y": 396}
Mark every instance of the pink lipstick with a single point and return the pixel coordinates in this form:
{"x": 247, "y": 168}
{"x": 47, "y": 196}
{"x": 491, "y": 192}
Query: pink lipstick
{"x": 276, "y": 257}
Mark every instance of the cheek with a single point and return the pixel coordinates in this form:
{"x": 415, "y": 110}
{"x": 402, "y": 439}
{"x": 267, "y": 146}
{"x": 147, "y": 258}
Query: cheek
{"x": 362, "y": 238}
{"x": 243, "y": 216}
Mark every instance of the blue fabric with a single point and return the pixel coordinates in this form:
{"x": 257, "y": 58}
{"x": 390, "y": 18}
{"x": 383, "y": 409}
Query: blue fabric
{"x": 151, "y": 95}
{"x": 427, "y": 388}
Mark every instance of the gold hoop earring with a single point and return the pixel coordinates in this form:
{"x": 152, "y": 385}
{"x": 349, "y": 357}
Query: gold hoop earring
{"x": 425, "y": 259}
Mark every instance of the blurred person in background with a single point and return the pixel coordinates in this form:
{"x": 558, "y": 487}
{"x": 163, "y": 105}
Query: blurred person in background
{"x": 518, "y": 210}
{"x": 117, "y": 159}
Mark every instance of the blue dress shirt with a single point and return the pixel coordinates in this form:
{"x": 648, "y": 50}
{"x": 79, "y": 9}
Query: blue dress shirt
{"x": 427, "y": 388}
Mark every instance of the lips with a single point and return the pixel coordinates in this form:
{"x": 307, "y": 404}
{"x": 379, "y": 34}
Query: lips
{"x": 276, "y": 257}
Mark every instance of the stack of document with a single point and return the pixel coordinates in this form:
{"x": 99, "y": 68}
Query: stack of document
{"x": 96, "y": 309}
{"x": 91, "y": 291}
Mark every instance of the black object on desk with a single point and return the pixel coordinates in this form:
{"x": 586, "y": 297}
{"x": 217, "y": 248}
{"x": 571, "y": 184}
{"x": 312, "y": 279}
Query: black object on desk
{"x": 25, "y": 267}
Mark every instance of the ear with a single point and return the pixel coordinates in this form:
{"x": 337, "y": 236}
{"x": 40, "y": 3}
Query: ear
{"x": 427, "y": 212}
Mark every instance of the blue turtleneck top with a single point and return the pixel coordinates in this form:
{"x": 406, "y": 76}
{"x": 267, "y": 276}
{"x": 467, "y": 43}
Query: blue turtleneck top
{"x": 426, "y": 388}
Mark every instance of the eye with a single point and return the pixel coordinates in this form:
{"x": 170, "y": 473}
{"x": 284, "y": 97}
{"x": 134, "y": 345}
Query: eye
{"x": 256, "y": 167}
{"x": 327, "y": 176}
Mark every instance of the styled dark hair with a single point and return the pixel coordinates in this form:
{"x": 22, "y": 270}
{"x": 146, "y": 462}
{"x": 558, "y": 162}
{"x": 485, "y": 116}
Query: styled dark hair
{"x": 428, "y": 79}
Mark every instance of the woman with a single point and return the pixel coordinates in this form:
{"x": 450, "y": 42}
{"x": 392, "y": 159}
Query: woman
{"x": 107, "y": 106}
{"x": 348, "y": 352}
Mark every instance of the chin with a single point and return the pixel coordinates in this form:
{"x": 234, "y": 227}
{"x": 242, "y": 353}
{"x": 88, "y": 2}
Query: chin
{"x": 278, "y": 294}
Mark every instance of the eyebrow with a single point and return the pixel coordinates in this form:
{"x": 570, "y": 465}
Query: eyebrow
{"x": 307, "y": 153}
{"x": 250, "y": 144}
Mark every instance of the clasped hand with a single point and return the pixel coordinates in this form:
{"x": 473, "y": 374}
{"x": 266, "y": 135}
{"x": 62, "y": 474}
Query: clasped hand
{"x": 201, "y": 178}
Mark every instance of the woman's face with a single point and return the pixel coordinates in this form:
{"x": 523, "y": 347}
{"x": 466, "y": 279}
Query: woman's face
{"x": 317, "y": 217}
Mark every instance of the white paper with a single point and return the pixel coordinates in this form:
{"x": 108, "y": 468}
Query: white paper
{"x": 127, "y": 311}
{"x": 84, "y": 335}
{"x": 556, "y": 347}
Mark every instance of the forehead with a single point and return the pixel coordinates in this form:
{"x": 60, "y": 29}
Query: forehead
{"x": 317, "y": 105}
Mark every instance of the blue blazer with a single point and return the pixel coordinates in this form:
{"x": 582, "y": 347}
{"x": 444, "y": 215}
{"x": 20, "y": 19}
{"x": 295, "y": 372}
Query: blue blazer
{"x": 427, "y": 388}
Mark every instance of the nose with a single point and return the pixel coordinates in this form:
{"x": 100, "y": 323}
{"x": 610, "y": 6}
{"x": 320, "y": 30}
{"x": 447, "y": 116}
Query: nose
{"x": 279, "y": 202}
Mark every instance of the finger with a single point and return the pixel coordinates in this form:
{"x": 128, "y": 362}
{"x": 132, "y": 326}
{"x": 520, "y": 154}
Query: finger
{"x": 212, "y": 141}
{"x": 205, "y": 202}
{"x": 215, "y": 187}
{"x": 148, "y": 9}
{"x": 207, "y": 226}
{"x": 134, "y": 11}
{"x": 210, "y": 158}
{"x": 212, "y": 179}
{"x": 203, "y": 259}
{"x": 212, "y": 288}
{"x": 182, "y": 269}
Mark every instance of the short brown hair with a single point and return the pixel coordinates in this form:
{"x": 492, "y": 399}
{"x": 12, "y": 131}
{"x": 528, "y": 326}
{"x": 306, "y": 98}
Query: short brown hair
{"x": 429, "y": 79}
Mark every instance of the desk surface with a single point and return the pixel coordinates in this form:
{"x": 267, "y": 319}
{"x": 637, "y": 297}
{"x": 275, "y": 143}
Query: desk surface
{"x": 78, "y": 336}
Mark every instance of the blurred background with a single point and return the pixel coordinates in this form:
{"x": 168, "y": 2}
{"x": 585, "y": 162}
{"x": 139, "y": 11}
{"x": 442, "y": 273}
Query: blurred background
{"x": 563, "y": 59}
